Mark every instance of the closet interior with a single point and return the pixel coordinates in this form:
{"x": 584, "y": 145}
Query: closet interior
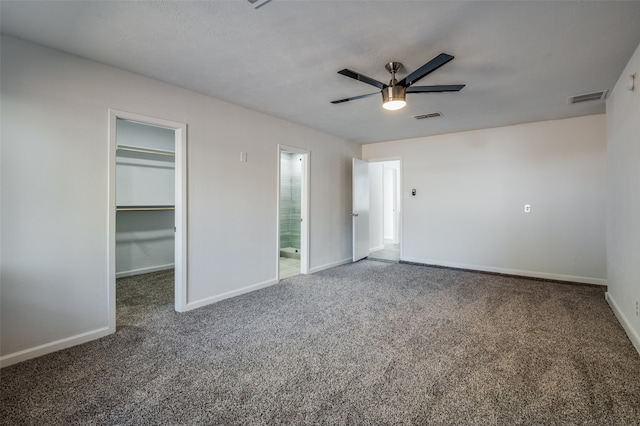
{"x": 145, "y": 199}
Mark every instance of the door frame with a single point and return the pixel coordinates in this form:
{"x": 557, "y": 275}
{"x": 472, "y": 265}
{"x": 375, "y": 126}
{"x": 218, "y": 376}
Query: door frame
{"x": 399, "y": 198}
{"x": 304, "y": 207}
{"x": 180, "y": 182}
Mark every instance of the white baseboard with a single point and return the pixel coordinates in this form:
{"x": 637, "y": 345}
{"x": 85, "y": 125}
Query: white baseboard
{"x": 213, "y": 299}
{"x": 622, "y": 319}
{"x": 147, "y": 270}
{"x": 376, "y": 248}
{"x": 57, "y": 345}
{"x": 330, "y": 265}
{"x": 533, "y": 274}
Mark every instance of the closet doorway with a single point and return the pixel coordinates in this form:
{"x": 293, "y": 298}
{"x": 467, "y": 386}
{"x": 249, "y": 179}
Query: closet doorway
{"x": 293, "y": 212}
{"x": 147, "y": 212}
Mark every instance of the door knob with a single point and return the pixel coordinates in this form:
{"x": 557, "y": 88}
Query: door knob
{"x": 354, "y": 214}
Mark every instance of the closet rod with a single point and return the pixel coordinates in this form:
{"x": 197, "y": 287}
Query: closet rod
{"x": 145, "y": 151}
{"x": 143, "y": 208}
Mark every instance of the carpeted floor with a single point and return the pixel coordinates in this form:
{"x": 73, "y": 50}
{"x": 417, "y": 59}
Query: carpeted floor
{"x": 142, "y": 295}
{"x": 368, "y": 343}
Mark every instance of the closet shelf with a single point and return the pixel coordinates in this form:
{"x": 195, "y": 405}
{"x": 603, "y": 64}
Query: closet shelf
{"x": 143, "y": 208}
{"x": 145, "y": 150}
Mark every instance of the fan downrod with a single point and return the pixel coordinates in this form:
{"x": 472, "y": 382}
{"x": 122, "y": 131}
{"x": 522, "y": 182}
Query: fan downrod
{"x": 393, "y": 67}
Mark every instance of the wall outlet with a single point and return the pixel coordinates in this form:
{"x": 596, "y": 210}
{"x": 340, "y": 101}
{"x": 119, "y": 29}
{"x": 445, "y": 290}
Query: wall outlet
{"x": 527, "y": 208}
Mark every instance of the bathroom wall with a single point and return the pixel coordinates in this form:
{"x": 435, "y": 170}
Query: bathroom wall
{"x": 290, "y": 200}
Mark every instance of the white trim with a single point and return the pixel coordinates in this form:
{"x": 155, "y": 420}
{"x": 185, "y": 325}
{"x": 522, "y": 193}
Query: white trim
{"x": 383, "y": 159}
{"x": 304, "y": 206}
{"x": 67, "y": 342}
{"x": 330, "y": 265}
{"x": 372, "y": 249}
{"x": 533, "y": 274}
{"x": 180, "y": 130}
{"x": 622, "y": 319}
{"x": 111, "y": 223}
{"x": 146, "y": 270}
{"x": 181, "y": 259}
{"x": 233, "y": 293}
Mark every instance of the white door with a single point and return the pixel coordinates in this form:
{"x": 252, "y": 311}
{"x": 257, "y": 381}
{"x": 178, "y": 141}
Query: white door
{"x": 360, "y": 211}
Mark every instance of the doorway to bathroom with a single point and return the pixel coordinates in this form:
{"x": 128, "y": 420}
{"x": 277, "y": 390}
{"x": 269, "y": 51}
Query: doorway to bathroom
{"x": 293, "y": 223}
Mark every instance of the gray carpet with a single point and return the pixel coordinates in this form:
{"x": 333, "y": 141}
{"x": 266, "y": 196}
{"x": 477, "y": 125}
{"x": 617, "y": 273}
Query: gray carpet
{"x": 142, "y": 295}
{"x": 369, "y": 343}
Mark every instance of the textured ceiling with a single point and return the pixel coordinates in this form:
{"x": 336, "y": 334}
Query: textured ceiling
{"x": 520, "y": 60}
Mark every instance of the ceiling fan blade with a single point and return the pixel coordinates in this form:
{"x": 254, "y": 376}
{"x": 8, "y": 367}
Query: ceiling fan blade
{"x": 339, "y": 101}
{"x": 442, "y": 88}
{"x": 362, "y": 78}
{"x": 427, "y": 68}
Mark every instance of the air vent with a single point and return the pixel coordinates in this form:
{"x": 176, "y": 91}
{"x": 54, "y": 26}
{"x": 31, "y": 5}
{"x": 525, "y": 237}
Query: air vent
{"x": 588, "y": 97}
{"x": 258, "y": 3}
{"x": 429, "y": 115}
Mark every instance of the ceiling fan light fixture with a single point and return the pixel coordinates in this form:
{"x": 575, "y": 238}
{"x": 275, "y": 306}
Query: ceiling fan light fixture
{"x": 394, "y": 105}
{"x": 394, "y": 98}
{"x": 394, "y": 93}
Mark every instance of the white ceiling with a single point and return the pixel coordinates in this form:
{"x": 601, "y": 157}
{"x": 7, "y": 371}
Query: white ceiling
{"x": 520, "y": 60}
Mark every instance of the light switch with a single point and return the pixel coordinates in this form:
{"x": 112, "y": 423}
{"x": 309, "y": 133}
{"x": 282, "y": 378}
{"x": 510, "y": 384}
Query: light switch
{"x": 527, "y": 208}
{"x": 243, "y": 157}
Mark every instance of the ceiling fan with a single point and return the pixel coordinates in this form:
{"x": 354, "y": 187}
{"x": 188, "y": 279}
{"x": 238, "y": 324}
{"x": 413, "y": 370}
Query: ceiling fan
{"x": 394, "y": 93}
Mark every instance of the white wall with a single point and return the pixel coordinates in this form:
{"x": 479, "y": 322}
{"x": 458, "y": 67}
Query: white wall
{"x": 472, "y": 187}
{"x": 54, "y": 193}
{"x": 144, "y": 242}
{"x": 623, "y": 200}
{"x": 143, "y": 136}
{"x": 144, "y": 181}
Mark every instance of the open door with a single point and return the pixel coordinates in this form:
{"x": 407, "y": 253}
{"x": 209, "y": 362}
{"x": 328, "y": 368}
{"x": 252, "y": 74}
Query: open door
{"x": 360, "y": 209}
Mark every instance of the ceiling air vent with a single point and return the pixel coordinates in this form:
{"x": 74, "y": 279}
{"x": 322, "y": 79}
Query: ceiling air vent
{"x": 429, "y": 115}
{"x": 587, "y": 97}
{"x": 258, "y": 3}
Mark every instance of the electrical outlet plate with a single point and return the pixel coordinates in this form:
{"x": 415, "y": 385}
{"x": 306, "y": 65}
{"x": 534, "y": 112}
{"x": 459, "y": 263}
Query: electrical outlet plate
{"x": 527, "y": 208}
